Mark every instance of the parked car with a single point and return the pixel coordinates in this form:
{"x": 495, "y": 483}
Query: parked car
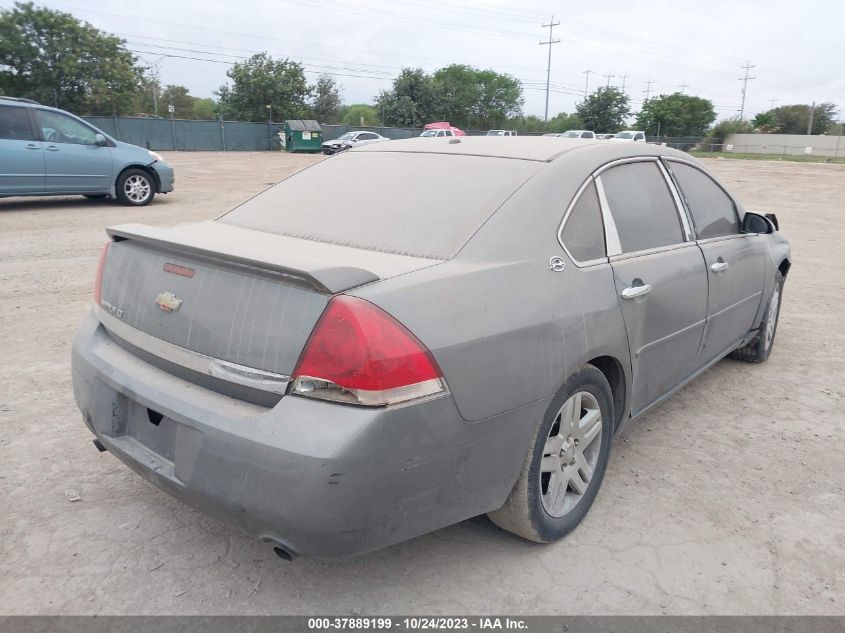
{"x": 437, "y": 133}
{"x": 604, "y": 136}
{"x": 578, "y": 134}
{"x": 49, "y": 152}
{"x": 629, "y": 136}
{"x": 501, "y": 132}
{"x": 335, "y": 378}
{"x": 351, "y": 139}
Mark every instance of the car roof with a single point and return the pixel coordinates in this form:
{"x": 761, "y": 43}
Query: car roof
{"x": 536, "y": 148}
{"x": 18, "y": 101}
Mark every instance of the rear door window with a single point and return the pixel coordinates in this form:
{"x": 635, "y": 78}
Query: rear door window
{"x": 583, "y": 232}
{"x": 15, "y": 124}
{"x": 713, "y": 211}
{"x": 642, "y": 206}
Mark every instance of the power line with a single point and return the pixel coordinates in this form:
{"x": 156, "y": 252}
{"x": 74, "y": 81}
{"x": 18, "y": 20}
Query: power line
{"x": 745, "y": 81}
{"x": 647, "y": 90}
{"x": 683, "y": 87}
{"x": 551, "y": 26}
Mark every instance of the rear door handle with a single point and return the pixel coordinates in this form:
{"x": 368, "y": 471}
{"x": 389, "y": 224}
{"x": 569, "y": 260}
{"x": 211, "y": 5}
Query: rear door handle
{"x": 719, "y": 265}
{"x": 632, "y": 292}
{"x": 33, "y": 146}
{"x": 52, "y": 148}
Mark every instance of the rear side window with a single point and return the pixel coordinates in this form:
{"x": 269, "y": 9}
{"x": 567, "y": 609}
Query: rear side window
{"x": 713, "y": 212}
{"x": 583, "y": 233}
{"x": 642, "y": 206}
{"x": 407, "y": 203}
{"x": 15, "y": 124}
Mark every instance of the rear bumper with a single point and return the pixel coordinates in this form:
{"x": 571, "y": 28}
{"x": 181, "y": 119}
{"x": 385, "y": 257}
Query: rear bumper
{"x": 324, "y": 480}
{"x": 166, "y": 176}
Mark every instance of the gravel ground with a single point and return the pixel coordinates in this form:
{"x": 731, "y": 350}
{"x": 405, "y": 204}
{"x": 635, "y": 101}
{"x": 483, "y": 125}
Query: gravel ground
{"x": 726, "y": 499}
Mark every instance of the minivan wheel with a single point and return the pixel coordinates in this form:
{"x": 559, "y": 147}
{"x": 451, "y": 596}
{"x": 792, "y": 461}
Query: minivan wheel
{"x": 760, "y": 347}
{"x": 566, "y": 461}
{"x": 135, "y": 188}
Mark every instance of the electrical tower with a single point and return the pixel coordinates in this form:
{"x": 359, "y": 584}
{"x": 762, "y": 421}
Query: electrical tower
{"x": 745, "y": 81}
{"x": 624, "y": 79}
{"x": 683, "y": 87}
{"x": 587, "y": 82}
{"x": 551, "y": 26}
{"x": 647, "y": 90}
{"x": 608, "y": 76}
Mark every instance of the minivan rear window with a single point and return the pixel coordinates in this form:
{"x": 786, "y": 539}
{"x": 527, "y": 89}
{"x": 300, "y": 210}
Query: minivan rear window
{"x": 418, "y": 204}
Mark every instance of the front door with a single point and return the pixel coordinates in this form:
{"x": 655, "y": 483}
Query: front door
{"x": 21, "y": 154}
{"x": 735, "y": 261}
{"x": 73, "y": 161}
{"x": 659, "y": 275}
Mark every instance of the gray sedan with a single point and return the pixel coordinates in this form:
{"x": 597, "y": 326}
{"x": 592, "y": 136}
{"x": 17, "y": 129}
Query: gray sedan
{"x": 337, "y": 380}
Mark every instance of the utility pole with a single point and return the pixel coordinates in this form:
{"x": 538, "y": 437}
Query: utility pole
{"x": 810, "y": 118}
{"x": 551, "y": 26}
{"x": 683, "y": 87}
{"x": 608, "y": 76}
{"x": 587, "y": 82}
{"x": 624, "y": 79}
{"x": 772, "y": 103}
{"x": 647, "y": 90}
{"x": 745, "y": 81}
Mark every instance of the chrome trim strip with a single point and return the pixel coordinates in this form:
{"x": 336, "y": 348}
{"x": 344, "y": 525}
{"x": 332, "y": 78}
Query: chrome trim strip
{"x": 611, "y": 235}
{"x": 652, "y": 251}
{"x": 622, "y": 161}
{"x": 215, "y": 367}
{"x": 663, "y": 339}
{"x": 723, "y": 238}
{"x": 680, "y": 207}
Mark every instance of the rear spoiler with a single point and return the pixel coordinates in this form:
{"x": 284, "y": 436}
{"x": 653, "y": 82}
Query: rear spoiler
{"x": 322, "y": 276}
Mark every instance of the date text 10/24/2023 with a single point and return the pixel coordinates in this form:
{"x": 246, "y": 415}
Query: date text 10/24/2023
{"x": 415, "y": 623}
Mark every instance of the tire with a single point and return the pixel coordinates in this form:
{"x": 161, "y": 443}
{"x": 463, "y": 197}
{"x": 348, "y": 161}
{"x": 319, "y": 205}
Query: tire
{"x": 96, "y": 196}
{"x": 135, "y": 188}
{"x": 545, "y": 504}
{"x": 758, "y": 349}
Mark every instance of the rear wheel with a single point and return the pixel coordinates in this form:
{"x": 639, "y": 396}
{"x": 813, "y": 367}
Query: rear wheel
{"x": 565, "y": 464}
{"x": 760, "y": 347}
{"x": 135, "y": 188}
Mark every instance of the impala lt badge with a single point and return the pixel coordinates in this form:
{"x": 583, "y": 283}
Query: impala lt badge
{"x": 168, "y": 302}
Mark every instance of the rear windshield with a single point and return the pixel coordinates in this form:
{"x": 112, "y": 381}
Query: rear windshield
{"x": 424, "y": 205}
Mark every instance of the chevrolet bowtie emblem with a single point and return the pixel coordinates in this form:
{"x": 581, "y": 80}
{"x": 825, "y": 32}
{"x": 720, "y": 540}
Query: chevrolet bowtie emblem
{"x": 168, "y": 302}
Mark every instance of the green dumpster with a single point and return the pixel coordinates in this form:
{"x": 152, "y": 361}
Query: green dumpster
{"x": 303, "y": 135}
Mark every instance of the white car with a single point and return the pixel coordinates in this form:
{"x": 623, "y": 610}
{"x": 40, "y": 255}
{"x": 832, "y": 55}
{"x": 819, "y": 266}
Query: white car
{"x": 351, "y": 139}
{"x": 578, "y": 134}
{"x": 501, "y": 132}
{"x": 438, "y": 133}
{"x": 604, "y": 136}
{"x": 629, "y": 136}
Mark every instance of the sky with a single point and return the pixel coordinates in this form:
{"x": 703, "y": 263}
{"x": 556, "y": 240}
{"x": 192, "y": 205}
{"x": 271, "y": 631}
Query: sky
{"x": 680, "y": 45}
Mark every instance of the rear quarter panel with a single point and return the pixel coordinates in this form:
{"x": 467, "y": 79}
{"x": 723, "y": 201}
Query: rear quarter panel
{"x": 505, "y": 329}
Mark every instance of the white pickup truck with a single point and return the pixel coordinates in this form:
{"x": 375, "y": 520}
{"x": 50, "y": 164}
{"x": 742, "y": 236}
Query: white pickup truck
{"x": 629, "y": 136}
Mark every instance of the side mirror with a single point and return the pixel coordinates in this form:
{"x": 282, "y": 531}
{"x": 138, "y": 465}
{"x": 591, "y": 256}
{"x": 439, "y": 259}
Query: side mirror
{"x": 101, "y": 140}
{"x": 756, "y": 223}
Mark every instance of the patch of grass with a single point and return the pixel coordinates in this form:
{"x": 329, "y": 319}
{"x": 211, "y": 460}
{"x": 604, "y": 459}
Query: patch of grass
{"x": 800, "y": 158}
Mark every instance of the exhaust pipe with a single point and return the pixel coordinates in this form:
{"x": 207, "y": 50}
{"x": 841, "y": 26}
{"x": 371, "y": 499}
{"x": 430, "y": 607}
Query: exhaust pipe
{"x": 281, "y": 550}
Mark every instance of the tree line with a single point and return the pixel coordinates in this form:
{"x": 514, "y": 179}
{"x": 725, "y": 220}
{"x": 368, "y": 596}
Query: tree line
{"x": 58, "y": 60}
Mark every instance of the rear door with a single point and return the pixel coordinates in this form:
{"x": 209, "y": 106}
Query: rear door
{"x": 21, "y": 154}
{"x": 72, "y": 159}
{"x": 659, "y": 275}
{"x": 735, "y": 261}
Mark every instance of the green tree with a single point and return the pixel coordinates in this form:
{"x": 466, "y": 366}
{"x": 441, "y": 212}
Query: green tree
{"x": 723, "y": 129}
{"x": 563, "y": 121}
{"x": 325, "y": 102}
{"x": 204, "y": 109}
{"x": 793, "y": 119}
{"x": 359, "y": 114}
{"x": 476, "y": 98}
{"x": 58, "y": 60}
{"x": 765, "y": 122}
{"x": 411, "y": 102}
{"x": 676, "y": 115}
{"x": 530, "y": 124}
{"x": 605, "y": 110}
{"x": 178, "y": 97}
{"x": 262, "y": 81}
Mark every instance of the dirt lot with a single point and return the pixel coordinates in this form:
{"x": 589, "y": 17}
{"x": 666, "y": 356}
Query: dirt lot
{"x": 726, "y": 499}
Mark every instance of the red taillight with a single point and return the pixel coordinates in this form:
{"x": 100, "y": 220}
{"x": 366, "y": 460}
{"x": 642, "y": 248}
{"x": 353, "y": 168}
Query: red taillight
{"x": 98, "y": 280}
{"x": 360, "y": 354}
